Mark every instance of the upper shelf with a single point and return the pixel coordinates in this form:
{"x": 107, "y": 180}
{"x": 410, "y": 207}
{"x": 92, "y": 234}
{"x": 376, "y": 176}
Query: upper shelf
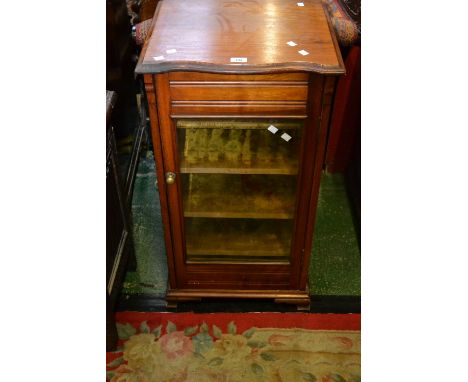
{"x": 238, "y": 147}
{"x": 244, "y": 36}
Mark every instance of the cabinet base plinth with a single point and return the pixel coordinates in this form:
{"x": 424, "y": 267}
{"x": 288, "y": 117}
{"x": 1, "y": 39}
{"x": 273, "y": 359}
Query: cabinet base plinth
{"x": 293, "y": 297}
{"x": 173, "y": 301}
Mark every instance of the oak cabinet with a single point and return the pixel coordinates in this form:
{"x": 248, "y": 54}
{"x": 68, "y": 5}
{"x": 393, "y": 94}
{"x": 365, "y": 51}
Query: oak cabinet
{"x": 239, "y": 120}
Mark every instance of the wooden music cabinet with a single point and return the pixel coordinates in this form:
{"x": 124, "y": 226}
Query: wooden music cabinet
{"x": 239, "y": 96}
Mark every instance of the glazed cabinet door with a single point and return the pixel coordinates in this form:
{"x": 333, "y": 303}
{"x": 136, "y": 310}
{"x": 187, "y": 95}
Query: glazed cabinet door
{"x": 238, "y": 191}
{"x": 238, "y": 181}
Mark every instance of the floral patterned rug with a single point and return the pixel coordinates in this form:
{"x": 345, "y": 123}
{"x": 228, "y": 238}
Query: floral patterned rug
{"x": 223, "y": 347}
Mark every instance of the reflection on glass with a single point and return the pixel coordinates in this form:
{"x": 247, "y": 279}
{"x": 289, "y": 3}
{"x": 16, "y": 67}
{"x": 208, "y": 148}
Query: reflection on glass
{"x": 238, "y": 188}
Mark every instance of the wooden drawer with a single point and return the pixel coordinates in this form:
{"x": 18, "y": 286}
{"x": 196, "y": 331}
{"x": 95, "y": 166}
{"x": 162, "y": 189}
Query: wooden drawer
{"x": 268, "y": 95}
{"x": 238, "y": 91}
{"x": 239, "y": 109}
{"x": 185, "y": 86}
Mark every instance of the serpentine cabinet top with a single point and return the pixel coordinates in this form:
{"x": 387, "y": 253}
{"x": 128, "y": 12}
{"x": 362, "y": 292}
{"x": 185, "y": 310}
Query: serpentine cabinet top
{"x": 243, "y": 36}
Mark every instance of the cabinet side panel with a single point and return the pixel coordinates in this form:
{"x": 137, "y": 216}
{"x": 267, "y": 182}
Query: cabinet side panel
{"x": 307, "y": 177}
{"x": 328, "y": 97}
{"x": 156, "y": 137}
{"x": 322, "y": 104}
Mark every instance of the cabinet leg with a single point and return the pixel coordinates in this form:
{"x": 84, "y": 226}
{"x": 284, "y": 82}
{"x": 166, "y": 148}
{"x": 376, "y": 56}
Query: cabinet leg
{"x": 304, "y": 308}
{"x": 173, "y": 301}
{"x": 302, "y": 303}
{"x": 171, "y": 304}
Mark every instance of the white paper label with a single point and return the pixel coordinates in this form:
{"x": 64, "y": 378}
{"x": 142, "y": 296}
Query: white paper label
{"x": 286, "y": 137}
{"x": 300, "y": 4}
{"x": 171, "y": 51}
{"x": 272, "y": 129}
{"x": 291, "y": 43}
{"x": 158, "y": 58}
{"x": 304, "y": 52}
{"x": 238, "y": 59}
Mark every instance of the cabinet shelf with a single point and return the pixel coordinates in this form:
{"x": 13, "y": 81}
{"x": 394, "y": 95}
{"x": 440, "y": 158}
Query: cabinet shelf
{"x": 239, "y": 196}
{"x": 288, "y": 167}
{"x": 235, "y": 124}
{"x": 208, "y": 239}
{"x": 237, "y": 151}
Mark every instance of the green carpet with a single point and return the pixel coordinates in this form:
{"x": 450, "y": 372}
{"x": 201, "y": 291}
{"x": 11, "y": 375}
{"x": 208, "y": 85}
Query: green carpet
{"x": 148, "y": 236}
{"x": 335, "y": 261}
{"x": 335, "y": 264}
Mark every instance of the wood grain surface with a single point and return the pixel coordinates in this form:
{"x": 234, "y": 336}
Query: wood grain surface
{"x": 206, "y": 34}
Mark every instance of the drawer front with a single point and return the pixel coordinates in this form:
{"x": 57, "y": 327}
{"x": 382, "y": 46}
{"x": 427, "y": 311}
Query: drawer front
{"x": 206, "y": 94}
{"x": 240, "y": 109}
{"x": 238, "y": 91}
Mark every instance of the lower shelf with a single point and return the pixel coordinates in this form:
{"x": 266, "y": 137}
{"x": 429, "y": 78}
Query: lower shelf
{"x": 239, "y": 196}
{"x": 237, "y": 239}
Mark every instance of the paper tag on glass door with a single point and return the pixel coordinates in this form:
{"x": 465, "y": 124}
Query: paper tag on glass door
{"x": 272, "y": 129}
{"x": 286, "y": 137}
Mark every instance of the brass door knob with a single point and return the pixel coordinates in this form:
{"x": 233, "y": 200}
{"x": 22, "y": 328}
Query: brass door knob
{"x": 170, "y": 177}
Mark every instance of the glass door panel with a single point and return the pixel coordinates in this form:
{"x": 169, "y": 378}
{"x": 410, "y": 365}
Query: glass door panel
{"x": 238, "y": 181}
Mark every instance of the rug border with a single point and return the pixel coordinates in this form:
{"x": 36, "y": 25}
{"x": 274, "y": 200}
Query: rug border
{"x": 315, "y": 321}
